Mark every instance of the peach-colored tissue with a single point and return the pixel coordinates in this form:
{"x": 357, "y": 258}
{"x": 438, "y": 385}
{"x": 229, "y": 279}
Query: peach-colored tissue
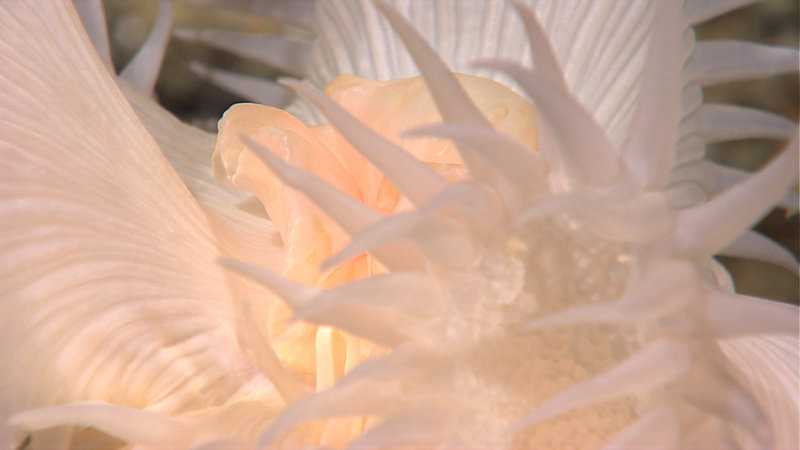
{"x": 310, "y": 237}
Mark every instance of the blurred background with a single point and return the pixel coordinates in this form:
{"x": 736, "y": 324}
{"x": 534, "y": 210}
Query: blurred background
{"x": 196, "y": 101}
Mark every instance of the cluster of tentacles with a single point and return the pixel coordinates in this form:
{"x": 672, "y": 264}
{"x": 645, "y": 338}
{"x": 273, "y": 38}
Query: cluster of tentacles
{"x": 552, "y": 285}
{"x": 559, "y": 295}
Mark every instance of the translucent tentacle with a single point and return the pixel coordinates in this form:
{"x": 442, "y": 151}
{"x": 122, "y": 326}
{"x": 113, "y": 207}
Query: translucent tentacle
{"x": 715, "y": 122}
{"x": 142, "y": 70}
{"x": 714, "y": 62}
{"x": 657, "y": 429}
{"x": 130, "y": 424}
{"x": 666, "y": 289}
{"x": 641, "y": 372}
{"x": 254, "y": 89}
{"x": 710, "y": 387}
{"x": 351, "y": 214}
{"x": 443, "y": 241}
{"x": 418, "y": 426}
{"x": 650, "y": 147}
{"x": 734, "y": 315}
{"x": 587, "y": 156}
{"x": 413, "y": 178}
{"x": 707, "y": 229}
{"x": 450, "y": 98}
{"x": 290, "y": 56}
{"x": 296, "y": 295}
{"x": 697, "y": 11}
{"x": 289, "y": 387}
{"x": 542, "y": 53}
{"x": 515, "y": 160}
{"x": 754, "y": 245}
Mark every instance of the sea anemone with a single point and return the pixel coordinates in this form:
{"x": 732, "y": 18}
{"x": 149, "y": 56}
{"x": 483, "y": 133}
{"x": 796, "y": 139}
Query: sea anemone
{"x": 451, "y": 260}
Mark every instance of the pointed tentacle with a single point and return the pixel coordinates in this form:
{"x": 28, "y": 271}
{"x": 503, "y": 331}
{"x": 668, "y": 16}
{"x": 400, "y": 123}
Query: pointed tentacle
{"x": 451, "y": 100}
{"x": 416, "y": 427}
{"x": 643, "y": 371}
{"x": 385, "y": 309}
{"x": 714, "y": 62}
{"x": 443, "y": 241}
{"x": 288, "y": 55}
{"x": 348, "y": 212}
{"x": 708, "y": 228}
{"x": 710, "y": 387}
{"x": 542, "y": 53}
{"x": 254, "y": 89}
{"x": 142, "y": 70}
{"x": 370, "y": 389}
{"x": 664, "y": 290}
{"x": 697, "y": 11}
{"x": 650, "y": 147}
{"x": 413, "y": 293}
{"x": 267, "y": 360}
{"x": 641, "y": 219}
{"x": 296, "y": 295}
{"x": 657, "y": 428}
{"x": 556, "y": 204}
{"x": 478, "y": 204}
{"x": 515, "y": 160}
{"x": 414, "y": 179}
{"x": 736, "y": 315}
{"x": 449, "y": 96}
{"x": 379, "y": 308}
{"x": 716, "y": 122}
{"x": 587, "y": 156}
{"x": 754, "y": 245}
{"x": 714, "y": 179}
{"x": 129, "y": 424}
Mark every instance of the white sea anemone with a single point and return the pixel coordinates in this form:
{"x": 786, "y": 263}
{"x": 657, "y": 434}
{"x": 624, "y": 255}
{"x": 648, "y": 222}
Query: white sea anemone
{"x": 471, "y": 268}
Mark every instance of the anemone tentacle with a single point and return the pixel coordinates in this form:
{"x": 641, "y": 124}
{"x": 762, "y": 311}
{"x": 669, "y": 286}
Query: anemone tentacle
{"x": 415, "y": 180}
{"x": 143, "y": 69}
{"x": 670, "y": 325}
